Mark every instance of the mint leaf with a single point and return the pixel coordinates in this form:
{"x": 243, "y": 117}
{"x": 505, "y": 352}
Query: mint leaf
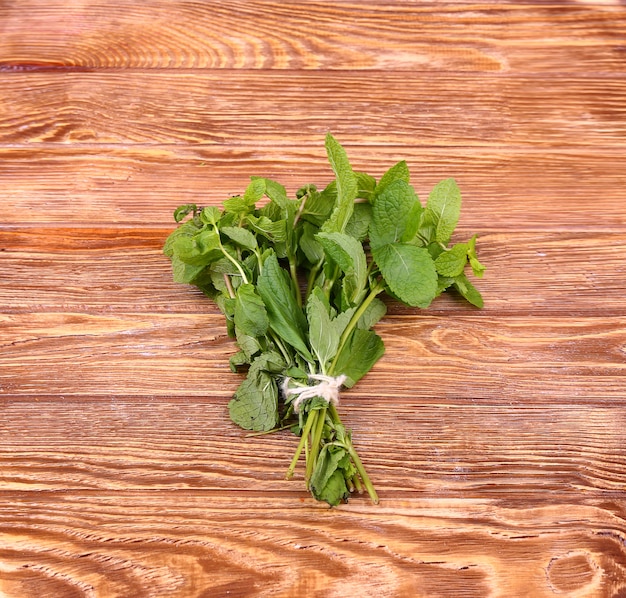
{"x": 357, "y": 357}
{"x": 372, "y": 315}
{"x": 328, "y": 482}
{"x": 346, "y": 186}
{"x": 255, "y": 404}
{"x": 444, "y": 208}
{"x": 241, "y": 236}
{"x": 477, "y": 268}
{"x": 348, "y": 254}
{"x": 250, "y": 313}
{"x": 285, "y": 317}
{"x": 398, "y": 172}
{"x": 409, "y": 272}
{"x": 468, "y": 290}
{"x": 323, "y": 336}
{"x": 254, "y": 191}
{"x": 395, "y": 216}
{"x": 452, "y": 262}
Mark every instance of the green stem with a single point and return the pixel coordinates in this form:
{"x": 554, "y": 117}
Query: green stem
{"x": 316, "y": 441}
{"x": 293, "y": 271}
{"x": 378, "y": 288}
{"x": 356, "y": 460}
{"x": 234, "y": 261}
{"x": 364, "y": 477}
{"x": 305, "y": 433}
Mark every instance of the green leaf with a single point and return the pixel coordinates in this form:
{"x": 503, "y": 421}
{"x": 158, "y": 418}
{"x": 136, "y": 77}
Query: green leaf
{"x": 452, "y": 262}
{"x": 317, "y": 206}
{"x": 444, "y": 208}
{"x": 309, "y": 245}
{"x": 276, "y": 192}
{"x": 188, "y": 229}
{"x": 346, "y": 186}
{"x": 357, "y": 357}
{"x": 273, "y": 231}
{"x": 398, "y": 172}
{"x": 241, "y": 236}
{"x": 323, "y": 336}
{"x": 468, "y": 290}
{"x": 255, "y": 404}
{"x": 237, "y": 205}
{"x": 250, "y": 313}
{"x": 200, "y": 249}
{"x": 372, "y": 315}
{"x": 181, "y": 211}
{"x": 477, "y": 268}
{"x": 184, "y": 273}
{"x": 395, "y": 216}
{"x": 409, "y": 272}
{"x": 327, "y": 480}
{"x": 366, "y": 184}
{"x": 359, "y": 223}
{"x": 211, "y": 215}
{"x": 285, "y": 317}
{"x": 348, "y": 254}
{"x": 249, "y": 345}
{"x": 254, "y": 191}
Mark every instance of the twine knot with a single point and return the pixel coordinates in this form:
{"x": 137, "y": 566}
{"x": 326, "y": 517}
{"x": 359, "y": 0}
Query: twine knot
{"x": 327, "y": 389}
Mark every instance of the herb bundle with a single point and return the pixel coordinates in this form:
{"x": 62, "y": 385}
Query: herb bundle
{"x": 299, "y": 281}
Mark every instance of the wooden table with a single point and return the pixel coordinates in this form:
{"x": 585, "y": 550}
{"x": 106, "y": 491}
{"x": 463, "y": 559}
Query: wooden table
{"x": 495, "y": 437}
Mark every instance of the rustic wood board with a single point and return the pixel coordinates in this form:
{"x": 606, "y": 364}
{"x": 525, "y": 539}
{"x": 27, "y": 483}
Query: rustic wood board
{"x": 496, "y": 437}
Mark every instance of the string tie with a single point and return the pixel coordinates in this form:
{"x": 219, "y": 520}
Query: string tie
{"x": 326, "y": 389}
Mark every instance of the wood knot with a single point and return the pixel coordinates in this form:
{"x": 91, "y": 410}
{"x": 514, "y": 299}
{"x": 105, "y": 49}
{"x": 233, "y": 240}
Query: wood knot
{"x": 573, "y": 572}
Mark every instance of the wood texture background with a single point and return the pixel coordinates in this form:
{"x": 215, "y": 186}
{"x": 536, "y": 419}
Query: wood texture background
{"x": 496, "y": 438}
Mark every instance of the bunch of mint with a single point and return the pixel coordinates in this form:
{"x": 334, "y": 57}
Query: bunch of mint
{"x": 298, "y": 280}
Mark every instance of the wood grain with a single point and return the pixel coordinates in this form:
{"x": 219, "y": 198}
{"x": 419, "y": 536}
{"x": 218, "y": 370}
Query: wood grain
{"x": 504, "y": 189}
{"x": 458, "y": 447}
{"x": 107, "y": 271}
{"x": 205, "y": 545}
{"x": 243, "y": 107}
{"x": 495, "y": 437}
{"x": 447, "y": 36}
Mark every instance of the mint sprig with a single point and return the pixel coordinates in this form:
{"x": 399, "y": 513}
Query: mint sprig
{"x": 299, "y": 281}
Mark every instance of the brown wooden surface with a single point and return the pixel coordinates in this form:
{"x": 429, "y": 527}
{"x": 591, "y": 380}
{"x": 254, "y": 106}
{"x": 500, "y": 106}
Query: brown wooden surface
{"x": 496, "y": 438}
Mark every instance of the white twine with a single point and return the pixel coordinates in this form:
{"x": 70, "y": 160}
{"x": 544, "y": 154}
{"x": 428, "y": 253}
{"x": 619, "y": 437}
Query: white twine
{"x": 327, "y": 389}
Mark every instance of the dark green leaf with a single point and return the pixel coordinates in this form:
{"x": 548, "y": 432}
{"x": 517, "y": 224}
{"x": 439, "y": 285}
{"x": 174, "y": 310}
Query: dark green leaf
{"x": 357, "y": 357}
{"x": 181, "y": 211}
{"x": 327, "y": 480}
{"x": 285, "y": 317}
{"x": 250, "y": 313}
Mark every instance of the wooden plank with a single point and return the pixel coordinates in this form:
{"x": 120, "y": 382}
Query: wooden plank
{"x": 504, "y": 189}
{"x": 513, "y": 359}
{"x": 435, "y": 447}
{"x": 109, "y": 271}
{"x": 484, "y": 37}
{"x": 206, "y": 544}
{"x": 274, "y": 107}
